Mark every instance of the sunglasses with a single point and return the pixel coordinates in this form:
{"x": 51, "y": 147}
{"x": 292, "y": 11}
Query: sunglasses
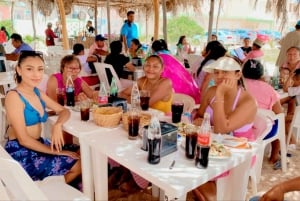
{"x": 28, "y": 53}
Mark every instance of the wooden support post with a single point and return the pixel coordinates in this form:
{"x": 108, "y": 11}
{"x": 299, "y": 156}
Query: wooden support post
{"x": 61, "y": 9}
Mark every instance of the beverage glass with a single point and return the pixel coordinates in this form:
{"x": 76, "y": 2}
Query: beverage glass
{"x": 84, "y": 110}
{"x": 203, "y": 146}
{"x": 145, "y": 97}
{"x": 202, "y": 156}
{"x": 190, "y": 142}
{"x": 177, "y": 109}
{"x": 60, "y": 96}
{"x": 133, "y": 125}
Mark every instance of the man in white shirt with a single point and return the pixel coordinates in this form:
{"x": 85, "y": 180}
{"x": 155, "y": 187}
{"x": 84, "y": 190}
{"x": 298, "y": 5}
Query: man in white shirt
{"x": 99, "y": 47}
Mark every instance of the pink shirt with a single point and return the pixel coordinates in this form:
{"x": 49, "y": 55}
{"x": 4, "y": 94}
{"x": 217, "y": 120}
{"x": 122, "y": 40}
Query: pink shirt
{"x": 254, "y": 54}
{"x": 263, "y": 93}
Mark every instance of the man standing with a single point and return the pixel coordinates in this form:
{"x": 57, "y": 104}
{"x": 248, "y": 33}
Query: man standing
{"x": 129, "y": 30}
{"x": 290, "y": 39}
{"x": 17, "y": 42}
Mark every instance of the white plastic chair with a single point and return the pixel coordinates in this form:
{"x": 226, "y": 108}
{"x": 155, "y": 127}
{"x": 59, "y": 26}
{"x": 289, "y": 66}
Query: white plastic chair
{"x": 280, "y": 135}
{"x": 189, "y": 102}
{"x": 295, "y": 125}
{"x": 2, "y": 121}
{"x": 21, "y": 187}
{"x": 100, "y": 68}
{"x": 18, "y": 185}
{"x": 261, "y": 127}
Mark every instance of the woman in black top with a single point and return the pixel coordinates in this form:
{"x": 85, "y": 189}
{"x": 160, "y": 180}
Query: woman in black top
{"x": 117, "y": 60}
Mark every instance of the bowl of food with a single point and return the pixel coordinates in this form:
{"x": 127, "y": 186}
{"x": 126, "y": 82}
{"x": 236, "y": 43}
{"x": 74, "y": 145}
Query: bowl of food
{"x": 107, "y": 116}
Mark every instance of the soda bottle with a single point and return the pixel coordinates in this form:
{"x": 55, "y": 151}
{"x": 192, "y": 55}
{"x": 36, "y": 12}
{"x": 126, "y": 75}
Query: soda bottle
{"x": 70, "y": 91}
{"x": 135, "y": 96}
{"x": 113, "y": 88}
{"x": 154, "y": 141}
{"x": 203, "y": 143}
{"x": 102, "y": 95}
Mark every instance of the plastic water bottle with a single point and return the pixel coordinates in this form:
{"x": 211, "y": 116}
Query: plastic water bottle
{"x": 135, "y": 96}
{"x": 102, "y": 95}
{"x": 154, "y": 141}
{"x": 70, "y": 91}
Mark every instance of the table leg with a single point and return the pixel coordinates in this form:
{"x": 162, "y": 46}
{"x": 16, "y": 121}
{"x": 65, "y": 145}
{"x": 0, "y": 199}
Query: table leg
{"x": 100, "y": 175}
{"x": 238, "y": 178}
{"x": 86, "y": 166}
{"x": 164, "y": 197}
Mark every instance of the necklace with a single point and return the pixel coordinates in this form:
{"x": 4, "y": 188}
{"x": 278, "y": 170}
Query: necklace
{"x": 150, "y": 85}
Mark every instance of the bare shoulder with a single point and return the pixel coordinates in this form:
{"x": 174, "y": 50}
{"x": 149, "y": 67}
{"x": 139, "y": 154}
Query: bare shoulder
{"x": 12, "y": 97}
{"x": 52, "y": 79}
{"x": 165, "y": 81}
{"x": 247, "y": 97}
{"x": 141, "y": 81}
{"x": 209, "y": 94}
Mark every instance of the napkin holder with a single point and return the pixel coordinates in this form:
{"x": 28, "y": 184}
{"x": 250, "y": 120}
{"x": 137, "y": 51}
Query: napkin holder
{"x": 168, "y": 139}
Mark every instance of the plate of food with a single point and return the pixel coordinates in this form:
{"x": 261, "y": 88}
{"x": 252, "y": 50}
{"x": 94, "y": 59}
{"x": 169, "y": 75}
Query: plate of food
{"x": 218, "y": 151}
{"x": 236, "y": 142}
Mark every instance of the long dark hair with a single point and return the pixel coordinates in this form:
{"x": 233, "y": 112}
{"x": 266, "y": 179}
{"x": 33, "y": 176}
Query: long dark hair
{"x": 215, "y": 50}
{"x": 137, "y": 43}
{"x": 181, "y": 38}
{"x": 159, "y": 45}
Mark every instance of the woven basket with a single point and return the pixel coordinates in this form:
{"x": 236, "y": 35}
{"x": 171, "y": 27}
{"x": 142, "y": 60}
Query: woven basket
{"x": 144, "y": 120}
{"x": 107, "y": 116}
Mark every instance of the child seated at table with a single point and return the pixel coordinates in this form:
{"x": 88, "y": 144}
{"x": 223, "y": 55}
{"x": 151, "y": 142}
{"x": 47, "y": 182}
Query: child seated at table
{"x": 266, "y": 98}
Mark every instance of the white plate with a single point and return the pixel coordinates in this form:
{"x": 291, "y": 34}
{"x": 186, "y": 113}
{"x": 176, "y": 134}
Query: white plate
{"x": 218, "y": 157}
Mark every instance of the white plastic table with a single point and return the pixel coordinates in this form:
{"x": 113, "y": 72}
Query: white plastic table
{"x": 174, "y": 183}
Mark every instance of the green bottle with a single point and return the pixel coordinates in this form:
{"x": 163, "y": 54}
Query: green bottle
{"x": 113, "y": 88}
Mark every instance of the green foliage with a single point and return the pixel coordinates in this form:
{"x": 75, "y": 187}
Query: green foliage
{"x": 8, "y": 25}
{"x": 182, "y": 25}
{"x": 29, "y": 39}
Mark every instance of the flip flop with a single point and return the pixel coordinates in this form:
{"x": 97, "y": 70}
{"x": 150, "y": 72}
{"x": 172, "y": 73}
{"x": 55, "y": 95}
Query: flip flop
{"x": 277, "y": 165}
{"x": 287, "y": 154}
